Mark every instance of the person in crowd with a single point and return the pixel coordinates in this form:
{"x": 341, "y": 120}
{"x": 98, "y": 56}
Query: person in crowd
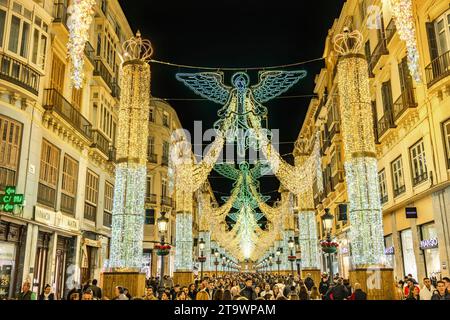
{"x": 315, "y": 295}
{"x": 192, "y": 291}
{"x": 358, "y": 294}
{"x": 74, "y": 296}
{"x": 427, "y": 289}
{"x": 202, "y": 295}
{"x": 127, "y": 293}
{"x": 303, "y": 294}
{"x": 26, "y": 293}
{"x": 441, "y": 292}
{"x": 164, "y": 296}
{"x": 258, "y": 291}
{"x": 276, "y": 291}
{"x": 120, "y": 294}
{"x": 410, "y": 285}
{"x": 174, "y": 292}
{"x": 414, "y": 294}
{"x": 294, "y": 296}
{"x": 266, "y": 290}
{"x": 96, "y": 289}
{"x": 348, "y": 286}
{"x": 410, "y": 277}
{"x": 218, "y": 295}
{"x": 400, "y": 290}
{"x": 309, "y": 282}
{"x": 181, "y": 295}
{"x": 227, "y": 295}
{"x": 324, "y": 285}
{"x": 87, "y": 295}
{"x": 149, "y": 295}
{"x": 86, "y": 285}
{"x": 447, "y": 283}
{"x": 47, "y": 293}
{"x": 248, "y": 291}
{"x": 75, "y": 289}
{"x": 338, "y": 291}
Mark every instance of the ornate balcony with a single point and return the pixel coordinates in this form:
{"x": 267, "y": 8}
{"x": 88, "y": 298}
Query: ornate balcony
{"x": 112, "y": 154}
{"x": 399, "y": 190}
{"x": 19, "y": 73}
{"x": 100, "y": 142}
{"x": 380, "y": 50}
{"x": 438, "y": 69}
{"x": 107, "y": 219}
{"x": 55, "y": 102}
{"x": 384, "y": 124}
{"x": 102, "y": 71}
{"x": 60, "y": 13}
{"x": 337, "y": 178}
{"x": 391, "y": 29}
{"x": 153, "y": 158}
{"x": 166, "y": 201}
{"x": 335, "y": 129}
{"x": 150, "y": 198}
{"x": 420, "y": 178}
{"x": 89, "y": 52}
{"x": 405, "y": 101}
{"x": 384, "y": 199}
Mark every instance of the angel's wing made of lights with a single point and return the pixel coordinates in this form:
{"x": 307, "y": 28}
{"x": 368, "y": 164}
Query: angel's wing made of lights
{"x": 209, "y": 85}
{"x": 227, "y": 170}
{"x": 273, "y": 83}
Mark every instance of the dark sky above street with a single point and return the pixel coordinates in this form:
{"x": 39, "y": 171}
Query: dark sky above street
{"x": 235, "y": 33}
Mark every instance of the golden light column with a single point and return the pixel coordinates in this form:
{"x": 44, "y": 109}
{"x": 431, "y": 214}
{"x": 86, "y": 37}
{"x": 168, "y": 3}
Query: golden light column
{"x": 366, "y": 231}
{"x": 131, "y": 169}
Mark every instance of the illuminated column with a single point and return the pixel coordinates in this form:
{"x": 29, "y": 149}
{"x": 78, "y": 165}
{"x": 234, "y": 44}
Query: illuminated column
{"x": 129, "y": 191}
{"x": 308, "y": 239}
{"x": 184, "y": 242}
{"x": 366, "y": 232}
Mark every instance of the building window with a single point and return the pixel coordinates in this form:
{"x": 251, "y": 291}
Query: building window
{"x": 418, "y": 163}
{"x": 48, "y": 174}
{"x": 149, "y": 216}
{"x": 442, "y": 29}
{"x": 430, "y": 247}
{"x": 107, "y": 214}
{"x": 149, "y": 186}
{"x": 10, "y": 143}
{"x": 69, "y": 184}
{"x": 409, "y": 259}
{"x": 165, "y": 153}
{"x": 2, "y": 26}
{"x": 57, "y": 75}
{"x": 77, "y": 96}
{"x": 383, "y": 186}
{"x": 91, "y": 198}
{"x": 166, "y": 119}
{"x": 39, "y": 46}
{"x": 164, "y": 187}
{"x": 150, "y": 146}
{"x": 397, "y": 176}
{"x": 446, "y": 131}
{"x": 389, "y": 251}
{"x": 151, "y": 115}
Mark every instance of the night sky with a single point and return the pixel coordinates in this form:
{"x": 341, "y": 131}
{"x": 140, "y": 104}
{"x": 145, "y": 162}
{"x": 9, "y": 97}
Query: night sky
{"x": 235, "y": 33}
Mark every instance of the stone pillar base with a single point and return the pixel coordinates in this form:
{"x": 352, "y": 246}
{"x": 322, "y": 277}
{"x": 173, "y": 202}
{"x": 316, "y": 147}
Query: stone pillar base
{"x": 378, "y": 283}
{"x": 315, "y": 275}
{"x": 183, "y": 278}
{"x": 133, "y": 281}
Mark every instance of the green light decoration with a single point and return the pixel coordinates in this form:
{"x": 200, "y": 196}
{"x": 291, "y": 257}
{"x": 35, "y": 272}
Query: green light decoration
{"x": 10, "y": 200}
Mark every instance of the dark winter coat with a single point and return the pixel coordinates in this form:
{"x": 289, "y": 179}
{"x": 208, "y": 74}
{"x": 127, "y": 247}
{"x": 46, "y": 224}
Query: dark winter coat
{"x": 249, "y": 293}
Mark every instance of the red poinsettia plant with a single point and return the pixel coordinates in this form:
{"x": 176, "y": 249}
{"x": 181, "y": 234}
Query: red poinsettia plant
{"x": 292, "y": 258}
{"x": 325, "y": 243}
{"x": 201, "y": 259}
{"x": 162, "y": 246}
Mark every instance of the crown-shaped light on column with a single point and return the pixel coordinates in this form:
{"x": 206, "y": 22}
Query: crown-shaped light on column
{"x": 137, "y": 48}
{"x": 348, "y": 42}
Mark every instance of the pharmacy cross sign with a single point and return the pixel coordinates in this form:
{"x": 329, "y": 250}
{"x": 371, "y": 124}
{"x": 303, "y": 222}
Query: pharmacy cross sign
{"x": 9, "y": 200}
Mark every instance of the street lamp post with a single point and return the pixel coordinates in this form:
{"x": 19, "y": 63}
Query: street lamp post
{"x": 291, "y": 257}
{"x": 163, "y": 223}
{"x": 327, "y": 221}
{"x": 278, "y": 253}
{"x": 216, "y": 262}
{"x": 201, "y": 246}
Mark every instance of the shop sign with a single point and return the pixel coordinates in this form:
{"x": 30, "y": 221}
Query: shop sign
{"x": 389, "y": 250}
{"x": 429, "y": 243}
{"x": 93, "y": 243}
{"x": 55, "y": 219}
{"x": 9, "y": 200}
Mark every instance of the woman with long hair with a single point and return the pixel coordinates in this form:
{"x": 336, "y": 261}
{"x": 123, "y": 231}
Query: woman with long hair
{"x": 315, "y": 295}
{"x": 47, "y": 293}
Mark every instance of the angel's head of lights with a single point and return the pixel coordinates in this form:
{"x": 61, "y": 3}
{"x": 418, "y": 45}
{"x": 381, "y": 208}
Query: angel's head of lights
{"x": 240, "y": 80}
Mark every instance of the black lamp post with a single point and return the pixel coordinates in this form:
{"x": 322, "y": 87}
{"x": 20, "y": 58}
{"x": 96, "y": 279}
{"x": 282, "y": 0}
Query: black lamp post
{"x": 201, "y": 246}
{"x": 223, "y": 263}
{"x": 327, "y": 221}
{"x": 216, "y": 262}
{"x": 163, "y": 223}
{"x": 278, "y": 253}
{"x": 299, "y": 261}
{"x": 291, "y": 257}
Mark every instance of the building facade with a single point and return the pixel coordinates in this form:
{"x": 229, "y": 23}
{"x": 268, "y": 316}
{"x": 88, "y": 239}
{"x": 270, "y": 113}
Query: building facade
{"x": 411, "y": 125}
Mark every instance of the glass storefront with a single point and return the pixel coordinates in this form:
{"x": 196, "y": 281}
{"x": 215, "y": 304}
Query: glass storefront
{"x": 389, "y": 251}
{"x": 430, "y": 247}
{"x": 7, "y": 264}
{"x": 409, "y": 259}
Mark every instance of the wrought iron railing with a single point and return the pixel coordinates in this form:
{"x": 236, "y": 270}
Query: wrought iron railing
{"x": 405, "y": 101}
{"x": 380, "y": 50}
{"x": 54, "y": 101}
{"x": 165, "y": 160}
{"x": 150, "y": 198}
{"x": 100, "y": 142}
{"x": 60, "y": 13}
{"x": 399, "y": 190}
{"x": 384, "y": 199}
{"x": 438, "y": 69}
{"x": 384, "y": 124}
{"x": 153, "y": 158}
{"x": 19, "y": 73}
{"x": 420, "y": 178}
{"x": 391, "y": 29}
{"x": 166, "y": 201}
{"x": 89, "y": 52}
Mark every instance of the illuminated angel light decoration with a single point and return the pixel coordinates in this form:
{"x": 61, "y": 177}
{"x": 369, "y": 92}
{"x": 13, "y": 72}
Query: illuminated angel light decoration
{"x": 241, "y": 103}
{"x": 360, "y": 164}
{"x": 131, "y": 165}
{"x": 404, "y": 22}
{"x": 81, "y": 13}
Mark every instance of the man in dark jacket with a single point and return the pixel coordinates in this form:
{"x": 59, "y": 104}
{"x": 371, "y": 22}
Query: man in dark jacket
{"x": 248, "y": 291}
{"x": 97, "y": 291}
{"x": 26, "y": 293}
{"x": 338, "y": 292}
{"x": 324, "y": 285}
{"x": 441, "y": 292}
{"x": 309, "y": 282}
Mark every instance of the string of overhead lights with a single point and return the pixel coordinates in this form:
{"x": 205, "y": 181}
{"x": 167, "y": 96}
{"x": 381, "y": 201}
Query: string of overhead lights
{"x": 281, "y": 66}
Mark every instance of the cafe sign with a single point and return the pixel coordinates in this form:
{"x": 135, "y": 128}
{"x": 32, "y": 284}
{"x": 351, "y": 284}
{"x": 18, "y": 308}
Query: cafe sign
{"x": 429, "y": 243}
{"x": 10, "y": 200}
{"x": 55, "y": 219}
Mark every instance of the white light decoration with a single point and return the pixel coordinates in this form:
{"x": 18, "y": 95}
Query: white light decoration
{"x": 184, "y": 243}
{"x": 81, "y": 13}
{"x": 404, "y": 22}
{"x": 308, "y": 239}
{"x": 129, "y": 191}
{"x": 366, "y": 234}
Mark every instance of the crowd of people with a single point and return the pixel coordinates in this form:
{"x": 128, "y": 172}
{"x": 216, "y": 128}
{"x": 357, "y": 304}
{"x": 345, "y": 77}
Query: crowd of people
{"x": 245, "y": 286}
